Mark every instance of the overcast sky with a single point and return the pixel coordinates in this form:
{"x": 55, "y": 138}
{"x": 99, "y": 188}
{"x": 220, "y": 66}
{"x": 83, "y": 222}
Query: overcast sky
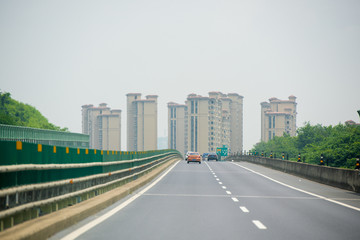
{"x": 60, "y": 55}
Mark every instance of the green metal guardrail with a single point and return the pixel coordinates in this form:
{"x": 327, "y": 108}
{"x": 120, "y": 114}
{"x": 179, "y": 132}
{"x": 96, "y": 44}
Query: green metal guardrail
{"x": 42, "y": 136}
{"x": 37, "y": 163}
{"x": 37, "y": 179}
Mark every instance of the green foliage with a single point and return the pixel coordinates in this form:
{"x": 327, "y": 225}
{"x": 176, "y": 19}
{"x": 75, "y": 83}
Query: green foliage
{"x": 16, "y": 113}
{"x": 340, "y": 145}
{"x": 279, "y": 145}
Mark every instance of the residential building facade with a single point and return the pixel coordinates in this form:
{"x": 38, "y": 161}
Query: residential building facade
{"x": 177, "y": 127}
{"x": 207, "y": 123}
{"x": 236, "y": 122}
{"x": 103, "y": 126}
{"x": 278, "y": 117}
{"x": 141, "y": 122}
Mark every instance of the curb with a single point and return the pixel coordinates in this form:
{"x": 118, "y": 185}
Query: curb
{"x": 46, "y": 226}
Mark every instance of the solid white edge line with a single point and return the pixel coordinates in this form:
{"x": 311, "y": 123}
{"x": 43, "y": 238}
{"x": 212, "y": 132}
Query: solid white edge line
{"x": 259, "y": 225}
{"x": 102, "y": 218}
{"x": 244, "y": 209}
{"x": 300, "y": 190}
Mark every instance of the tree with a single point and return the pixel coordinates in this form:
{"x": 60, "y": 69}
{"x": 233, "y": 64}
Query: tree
{"x": 339, "y": 145}
{"x": 16, "y": 113}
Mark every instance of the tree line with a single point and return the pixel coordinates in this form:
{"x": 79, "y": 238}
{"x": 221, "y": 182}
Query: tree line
{"x": 17, "y": 113}
{"x": 339, "y": 145}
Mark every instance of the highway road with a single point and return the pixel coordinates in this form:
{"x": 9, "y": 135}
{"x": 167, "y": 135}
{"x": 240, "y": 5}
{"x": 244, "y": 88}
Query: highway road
{"x": 226, "y": 200}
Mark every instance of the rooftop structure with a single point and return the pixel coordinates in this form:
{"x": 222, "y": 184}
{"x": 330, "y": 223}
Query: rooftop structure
{"x": 278, "y": 117}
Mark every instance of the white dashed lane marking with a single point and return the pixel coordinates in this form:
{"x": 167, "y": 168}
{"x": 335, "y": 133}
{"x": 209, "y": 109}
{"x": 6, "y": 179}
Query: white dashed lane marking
{"x": 259, "y": 225}
{"x": 244, "y": 209}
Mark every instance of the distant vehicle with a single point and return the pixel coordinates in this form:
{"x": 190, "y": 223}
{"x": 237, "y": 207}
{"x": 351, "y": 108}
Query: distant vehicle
{"x": 204, "y": 156}
{"x": 187, "y": 154}
{"x": 194, "y": 157}
{"x": 212, "y": 156}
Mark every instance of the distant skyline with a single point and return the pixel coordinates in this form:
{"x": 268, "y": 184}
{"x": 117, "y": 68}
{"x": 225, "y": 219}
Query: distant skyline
{"x": 60, "y": 55}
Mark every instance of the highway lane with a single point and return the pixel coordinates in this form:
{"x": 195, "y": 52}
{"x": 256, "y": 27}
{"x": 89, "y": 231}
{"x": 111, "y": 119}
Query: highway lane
{"x": 226, "y": 200}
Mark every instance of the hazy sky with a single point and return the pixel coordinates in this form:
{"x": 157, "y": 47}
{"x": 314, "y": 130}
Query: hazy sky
{"x": 60, "y": 55}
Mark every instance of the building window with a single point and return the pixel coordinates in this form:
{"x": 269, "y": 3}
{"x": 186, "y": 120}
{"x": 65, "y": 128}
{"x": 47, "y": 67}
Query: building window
{"x": 192, "y": 134}
{"x": 192, "y": 106}
{"x": 174, "y": 134}
{"x": 171, "y": 135}
{"x": 269, "y": 121}
{"x": 196, "y": 135}
{"x": 269, "y": 135}
{"x": 273, "y": 121}
{"x": 196, "y": 106}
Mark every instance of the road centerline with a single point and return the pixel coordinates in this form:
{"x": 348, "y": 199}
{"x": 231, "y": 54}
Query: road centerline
{"x": 244, "y": 209}
{"x": 259, "y": 225}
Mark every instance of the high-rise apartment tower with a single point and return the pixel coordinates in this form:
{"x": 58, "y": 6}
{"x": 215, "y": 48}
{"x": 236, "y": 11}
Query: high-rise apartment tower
{"x": 141, "y": 122}
{"x": 177, "y": 127}
{"x": 206, "y": 123}
{"x": 278, "y": 117}
{"x": 103, "y": 126}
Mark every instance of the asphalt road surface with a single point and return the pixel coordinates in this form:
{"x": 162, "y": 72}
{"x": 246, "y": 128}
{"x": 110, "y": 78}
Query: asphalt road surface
{"x": 226, "y": 200}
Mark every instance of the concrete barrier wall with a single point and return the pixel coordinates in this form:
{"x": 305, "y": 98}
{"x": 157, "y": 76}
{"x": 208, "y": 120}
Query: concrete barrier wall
{"x": 337, "y": 177}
